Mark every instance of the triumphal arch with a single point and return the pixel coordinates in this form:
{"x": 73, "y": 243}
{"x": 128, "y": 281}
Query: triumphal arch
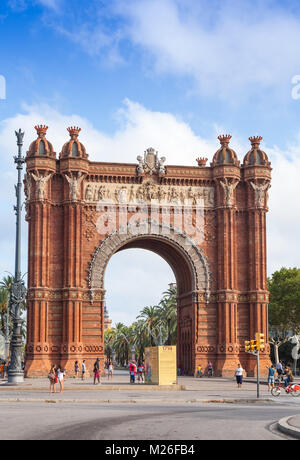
{"x": 207, "y": 222}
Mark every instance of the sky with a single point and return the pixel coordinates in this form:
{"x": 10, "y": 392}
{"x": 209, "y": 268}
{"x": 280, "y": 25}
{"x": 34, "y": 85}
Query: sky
{"x": 171, "y": 74}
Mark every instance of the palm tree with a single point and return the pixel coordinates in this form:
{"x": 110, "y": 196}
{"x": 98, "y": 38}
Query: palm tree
{"x": 140, "y": 338}
{"x": 4, "y": 301}
{"x": 168, "y": 306}
{"x": 150, "y": 315}
{"x": 121, "y": 343}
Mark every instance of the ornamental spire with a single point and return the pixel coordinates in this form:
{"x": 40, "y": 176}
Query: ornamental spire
{"x": 74, "y": 131}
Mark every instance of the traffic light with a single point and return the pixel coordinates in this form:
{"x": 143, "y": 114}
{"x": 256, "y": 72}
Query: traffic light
{"x": 253, "y": 347}
{"x": 247, "y": 346}
{"x": 260, "y": 341}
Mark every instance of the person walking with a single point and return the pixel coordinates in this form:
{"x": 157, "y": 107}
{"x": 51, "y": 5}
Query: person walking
{"x": 83, "y": 370}
{"x": 52, "y": 379}
{"x": 140, "y": 371}
{"x": 239, "y": 376}
{"x": 110, "y": 370}
{"x": 5, "y": 370}
{"x": 271, "y": 377}
{"x": 97, "y": 371}
{"x": 199, "y": 373}
{"x": 76, "y": 369}
{"x": 132, "y": 371}
{"x": 279, "y": 368}
{"x": 210, "y": 370}
{"x": 2, "y": 370}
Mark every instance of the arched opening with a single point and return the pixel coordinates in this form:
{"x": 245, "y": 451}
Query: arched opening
{"x": 190, "y": 270}
{"x": 134, "y": 279}
{"x": 140, "y": 305}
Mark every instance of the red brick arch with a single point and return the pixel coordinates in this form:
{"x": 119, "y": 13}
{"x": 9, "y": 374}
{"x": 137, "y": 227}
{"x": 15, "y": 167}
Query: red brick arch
{"x": 222, "y": 281}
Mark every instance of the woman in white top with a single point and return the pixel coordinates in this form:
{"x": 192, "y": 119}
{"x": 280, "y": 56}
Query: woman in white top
{"x": 239, "y": 376}
{"x": 110, "y": 370}
{"x": 60, "y": 378}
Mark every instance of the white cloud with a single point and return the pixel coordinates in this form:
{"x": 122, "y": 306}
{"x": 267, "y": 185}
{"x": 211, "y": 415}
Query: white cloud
{"x": 226, "y": 47}
{"x": 52, "y": 4}
{"x": 139, "y": 129}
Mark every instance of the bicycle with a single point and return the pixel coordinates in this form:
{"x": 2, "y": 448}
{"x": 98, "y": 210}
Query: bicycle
{"x": 292, "y": 389}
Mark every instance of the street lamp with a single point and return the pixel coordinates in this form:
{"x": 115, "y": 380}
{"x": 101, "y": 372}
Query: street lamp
{"x": 18, "y": 290}
{"x": 133, "y": 353}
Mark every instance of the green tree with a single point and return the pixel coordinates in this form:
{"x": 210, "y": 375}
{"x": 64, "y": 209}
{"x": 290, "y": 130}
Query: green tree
{"x": 4, "y": 301}
{"x": 168, "y": 315}
{"x": 150, "y": 317}
{"x": 284, "y": 307}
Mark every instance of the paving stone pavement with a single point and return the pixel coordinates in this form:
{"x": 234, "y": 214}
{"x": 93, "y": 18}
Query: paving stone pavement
{"x": 189, "y": 389}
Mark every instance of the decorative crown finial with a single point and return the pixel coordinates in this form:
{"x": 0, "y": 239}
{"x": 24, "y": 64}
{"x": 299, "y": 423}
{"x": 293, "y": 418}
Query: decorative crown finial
{"x": 224, "y": 139}
{"x": 255, "y": 141}
{"x": 202, "y": 161}
{"x": 41, "y": 130}
{"x": 74, "y": 131}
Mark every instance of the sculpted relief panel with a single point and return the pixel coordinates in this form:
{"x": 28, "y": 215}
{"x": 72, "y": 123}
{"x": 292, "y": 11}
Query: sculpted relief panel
{"x": 149, "y": 192}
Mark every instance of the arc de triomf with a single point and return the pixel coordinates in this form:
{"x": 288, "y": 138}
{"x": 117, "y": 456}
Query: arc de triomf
{"x": 207, "y": 222}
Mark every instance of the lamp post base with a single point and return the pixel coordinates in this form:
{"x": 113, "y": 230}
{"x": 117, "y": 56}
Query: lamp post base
{"x": 15, "y": 378}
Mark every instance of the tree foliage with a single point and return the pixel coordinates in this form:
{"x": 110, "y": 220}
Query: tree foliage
{"x": 284, "y": 306}
{"x": 154, "y": 325}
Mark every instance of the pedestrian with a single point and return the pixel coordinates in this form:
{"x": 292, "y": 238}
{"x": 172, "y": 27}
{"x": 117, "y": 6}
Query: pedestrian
{"x": 199, "y": 373}
{"x": 209, "y": 369}
{"x": 110, "y": 370}
{"x": 52, "y": 378}
{"x": 97, "y": 371}
{"x": 2, "y": 370}
{"x": 140, "y": 370}
{"x": 239, "y": 376}
{"x": 132, "y": 370}
{"x": 5, "y": 370}
{"x": 271, "y": 377}
{"x": 279, "y": 368}
{"x": 289, "y": 378}
{"x": 83, "y": 370}
{"x": 76, "y": 369}
{"x": 60, "y": 378}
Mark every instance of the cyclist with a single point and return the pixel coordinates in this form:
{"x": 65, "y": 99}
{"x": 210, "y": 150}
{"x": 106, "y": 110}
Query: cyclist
{"x": 288, "y": 378}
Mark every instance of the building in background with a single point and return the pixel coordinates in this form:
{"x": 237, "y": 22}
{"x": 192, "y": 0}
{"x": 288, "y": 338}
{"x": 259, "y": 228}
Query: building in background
{"x": 107, "y": 320}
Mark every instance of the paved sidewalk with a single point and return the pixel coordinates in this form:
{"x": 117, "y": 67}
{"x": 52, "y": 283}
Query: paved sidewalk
{"x": 188, "y": 390}
{"x": 290, "y": 426}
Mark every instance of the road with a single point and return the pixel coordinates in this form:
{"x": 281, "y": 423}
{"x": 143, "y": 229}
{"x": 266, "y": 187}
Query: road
{"x": 92, "y": 421}
{"x": 125, "y": 412}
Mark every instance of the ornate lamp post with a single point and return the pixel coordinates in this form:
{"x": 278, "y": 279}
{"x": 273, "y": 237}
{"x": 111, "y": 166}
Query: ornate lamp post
{"x": 18, "y": 290}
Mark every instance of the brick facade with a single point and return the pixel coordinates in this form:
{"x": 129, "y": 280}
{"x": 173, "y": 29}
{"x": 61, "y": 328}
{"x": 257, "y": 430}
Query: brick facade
{"x": 220, "y": 274}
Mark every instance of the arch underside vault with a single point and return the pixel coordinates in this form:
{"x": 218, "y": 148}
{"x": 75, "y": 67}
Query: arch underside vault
{"x": 185, "y": 258}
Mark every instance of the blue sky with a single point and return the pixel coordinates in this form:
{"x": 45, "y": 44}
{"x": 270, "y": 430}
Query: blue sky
{"x": 167, "y": 73}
